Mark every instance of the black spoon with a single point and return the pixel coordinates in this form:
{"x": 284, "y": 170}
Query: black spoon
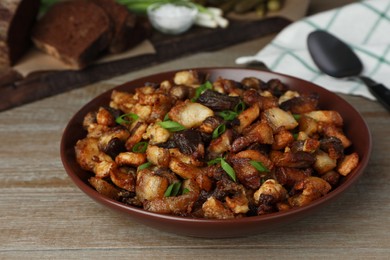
{"x": 335, "y": 58}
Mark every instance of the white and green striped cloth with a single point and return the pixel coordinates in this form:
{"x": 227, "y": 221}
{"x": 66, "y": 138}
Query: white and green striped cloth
{"x": 364, "y": 25}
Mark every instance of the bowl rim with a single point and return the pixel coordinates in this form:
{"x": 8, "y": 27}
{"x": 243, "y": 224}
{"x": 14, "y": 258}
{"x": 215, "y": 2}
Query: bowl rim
{"x": 119, "y": 206}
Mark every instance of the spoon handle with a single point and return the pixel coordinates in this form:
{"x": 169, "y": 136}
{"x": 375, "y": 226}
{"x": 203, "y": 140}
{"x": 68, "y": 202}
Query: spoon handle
{"x": 381, "y": 92}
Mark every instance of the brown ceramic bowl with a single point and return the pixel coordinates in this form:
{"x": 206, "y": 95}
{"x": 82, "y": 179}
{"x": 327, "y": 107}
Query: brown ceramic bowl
{"x": 355, "y": 128}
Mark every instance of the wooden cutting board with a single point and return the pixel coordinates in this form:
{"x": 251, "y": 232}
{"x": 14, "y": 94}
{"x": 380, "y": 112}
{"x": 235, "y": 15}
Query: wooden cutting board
{"x": 42, "y": 84}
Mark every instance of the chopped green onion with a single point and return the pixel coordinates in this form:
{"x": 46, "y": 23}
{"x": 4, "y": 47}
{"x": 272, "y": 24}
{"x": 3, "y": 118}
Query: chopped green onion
{"x": 166, "y": 117}
{"x": 297, "y": 116}
{"x": 202, "y": 88}
{"x": 227, "y": 115}
{"x": 214, "y": 161}
{"x": 218, "y": 131}
{"x": 295, "y": 136}
{"x": 126, "y": 118}
{"x": 172, "y": 126}
{"x": 144, "y": 166}
{"x": 240, "y": 107}
{"x": 185, "y": 191}
{"x": 140, "y": 147}
{"x": 225, "y": 166}
{"x": 173, "y": 189}
{"x": 259, "y": 166}
{"x": 228, "y": 169}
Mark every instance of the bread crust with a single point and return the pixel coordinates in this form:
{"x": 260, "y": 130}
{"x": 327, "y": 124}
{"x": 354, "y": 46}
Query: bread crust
{"x": 16, "y": 20}
{"x": 75, "y": 32}
{"x": 124, "y": 24}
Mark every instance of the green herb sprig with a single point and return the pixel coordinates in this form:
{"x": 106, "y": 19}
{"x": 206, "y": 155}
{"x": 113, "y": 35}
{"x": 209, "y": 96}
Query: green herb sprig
{"x": 259, "y": 166}
{"x": 144, "y": 166}
{"x": 171, "y": 126}
{"x": 202, "y": 88}
{"x": 225, "y": 166}
{"x": 218, "y": 131}
{"x": 126, "y": 118}
{"x": 140, "y": 147}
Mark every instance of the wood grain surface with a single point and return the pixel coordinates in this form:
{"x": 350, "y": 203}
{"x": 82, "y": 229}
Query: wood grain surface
{"x": 43, "y": 215}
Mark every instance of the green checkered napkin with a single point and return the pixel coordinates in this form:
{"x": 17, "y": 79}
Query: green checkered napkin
{"x": 364, "y": 25}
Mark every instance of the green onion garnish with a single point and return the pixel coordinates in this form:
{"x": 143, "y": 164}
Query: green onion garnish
{"x": 227, "y": 115}
{"x": 218, "y": 131}
{"x": 202, "y": 88}
{"x": 239, "y": 107}
{"x": 214, "y": 161}
{"x": 228, "y": 169}
{"x": 144, "y": 166}
{"x": 259, "y": 166}
{"x": 225, "y": 166}
{"x": 166, "y": 117}
{"x": 171, "y": 126}
{"x": 173, "y": 189}
{"x": 296, "y": 116}
{"x": 126, "y": 118}
{"x": 140, "y": 147}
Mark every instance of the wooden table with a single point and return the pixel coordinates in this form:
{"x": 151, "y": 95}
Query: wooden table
{"x": 43, "y": 215}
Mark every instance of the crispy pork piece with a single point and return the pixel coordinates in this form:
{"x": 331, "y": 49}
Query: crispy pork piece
{"x": 288, "y": 176}
{"x": 324, "y": 162}
{"x": 282, "y": 139}
{"x": 123, "y": 101}
{"x": 247, "y": 117}
{"x": 348, "y": 163}
{"x": 290, "y": 159}
{"x": 246, "y": 173}
{"x": 210, "y": 124}
{"x": 156, "y": 134}
{"x": 326, "y": 116}
{"x": 228, "y": 86}
{"x": 152, "y": 185}
{"x": 184, "y": 170}
{"x": 334, "y": 131}
{"x": 279, "y": 119}
{"x": 124, "y": 178}
{"x": 311, "y": 188}
{"x": 301, "y": 104}
{"x": 104, "y": 188}
{"x": 90, "y": 158}
{"x": 253, "y": 83}
{"x": 308, "y": 125}
{"x": 130, "y": 159}
{"x": 188, "y": 78}
{"x": 190, "y": 114}
{"x": 158, "y": 156}
{"x": 136, "y": 134}
{"x": 221, "y": 144}
{"x": 268, "y": 195}
{"x": 257, "y": 133}
{"x": 215, "y": 209}
{"x": 177, "y": 205}
{"x": 105, "y": 117}
{"x": 264, "y": 102}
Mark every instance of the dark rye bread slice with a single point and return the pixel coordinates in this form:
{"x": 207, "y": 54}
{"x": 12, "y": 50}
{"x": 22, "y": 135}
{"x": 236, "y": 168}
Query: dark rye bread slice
{"x": 124, "y": 25}
{"x": 75, "y": 32}
{"x": 16, "y": 20}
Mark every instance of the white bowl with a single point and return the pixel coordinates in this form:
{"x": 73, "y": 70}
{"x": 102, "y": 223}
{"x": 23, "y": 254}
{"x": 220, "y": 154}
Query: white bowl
{"x": 172, "y": 18}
